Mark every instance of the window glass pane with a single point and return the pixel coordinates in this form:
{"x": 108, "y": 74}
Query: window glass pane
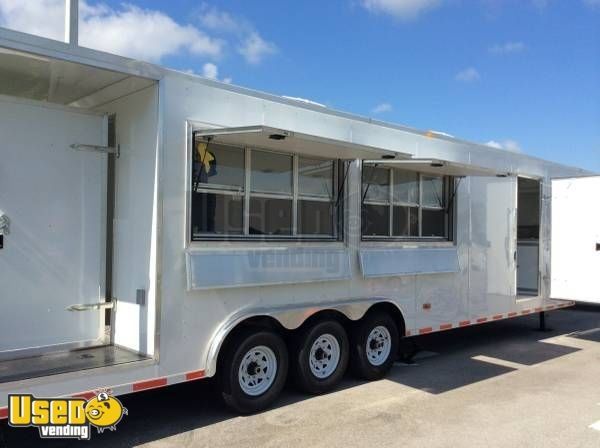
{"x": 218, "y": 165}
{"x": 271, "y": 172}
{"x": 433, "y": 191}
{"x": 315, "y": 177}
{"x": 434, "y": 223}
{"x": 315, "y": 218}
{"x": 406, "y": 187}
{"x": 375, "y": 220}
{"x": 219, "y": 214}
{"x": 270, "y": 216}
{"x": 406, "y": 221}
{"x": 377, "y": 180}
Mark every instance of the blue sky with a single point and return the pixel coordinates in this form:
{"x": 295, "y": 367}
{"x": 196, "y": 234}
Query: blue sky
{"x": 521, "y": 74}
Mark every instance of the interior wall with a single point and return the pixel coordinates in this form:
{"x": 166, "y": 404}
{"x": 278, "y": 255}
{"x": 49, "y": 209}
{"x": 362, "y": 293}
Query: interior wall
{"x": 134, "y": 252}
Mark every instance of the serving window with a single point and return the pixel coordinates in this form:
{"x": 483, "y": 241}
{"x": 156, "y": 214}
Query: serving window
{"x": 404, "y": 204}
{"x": 248, "y": 193}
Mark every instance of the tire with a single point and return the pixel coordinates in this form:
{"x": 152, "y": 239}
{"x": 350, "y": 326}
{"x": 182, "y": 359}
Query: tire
{"x": 320, "y": 356}
{"x": 369, "y": 361}
{"x": 246, "y": 385}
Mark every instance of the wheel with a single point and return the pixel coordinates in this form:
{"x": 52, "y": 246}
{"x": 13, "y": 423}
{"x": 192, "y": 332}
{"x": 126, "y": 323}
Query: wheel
{"x": 253, "y": 371}
{"x": 374, "y": 346}
{"x": 320, "y": 357}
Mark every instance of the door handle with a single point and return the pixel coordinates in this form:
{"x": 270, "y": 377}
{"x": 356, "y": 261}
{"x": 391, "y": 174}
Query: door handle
{"x": 598, "y": 247}
{"x": 91, "y": 306}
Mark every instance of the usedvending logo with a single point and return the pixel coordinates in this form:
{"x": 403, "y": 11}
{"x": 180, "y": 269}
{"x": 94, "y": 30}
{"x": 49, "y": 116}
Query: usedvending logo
{"x": 60, "y": 418}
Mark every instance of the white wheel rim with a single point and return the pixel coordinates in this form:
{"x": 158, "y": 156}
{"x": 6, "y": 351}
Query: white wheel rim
{"x": 379, "y": 345}
{"x": 324, "y": 356}
{"x": 257, "y": 370}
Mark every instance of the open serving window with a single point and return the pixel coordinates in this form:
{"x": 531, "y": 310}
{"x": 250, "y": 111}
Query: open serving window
{"x": 259, "y": 182}
{"x": 412, "y": 199}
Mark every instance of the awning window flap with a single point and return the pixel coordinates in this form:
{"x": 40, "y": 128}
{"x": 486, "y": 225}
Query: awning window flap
{"x": 439, "y": 167}
{"x": 295, "y": 142}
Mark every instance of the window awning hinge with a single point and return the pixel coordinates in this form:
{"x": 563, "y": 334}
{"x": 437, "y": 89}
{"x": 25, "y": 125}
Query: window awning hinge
{"x": 97, "y": 148}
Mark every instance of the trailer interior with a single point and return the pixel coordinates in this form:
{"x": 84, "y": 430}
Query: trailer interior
{"x": 88, "y": 139}
{"x": 528, "y": 236}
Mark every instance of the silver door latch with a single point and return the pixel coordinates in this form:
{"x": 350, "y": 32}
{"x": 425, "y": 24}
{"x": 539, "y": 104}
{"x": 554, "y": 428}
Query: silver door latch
{"x": 92, "y": 306}
{"x": 4, "y": 224}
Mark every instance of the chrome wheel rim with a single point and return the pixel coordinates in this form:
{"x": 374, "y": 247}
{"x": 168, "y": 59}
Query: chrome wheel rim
{"x": 324, "y": 356}
{"x": 257, "y": 370}
{"x": 379, "y": 345}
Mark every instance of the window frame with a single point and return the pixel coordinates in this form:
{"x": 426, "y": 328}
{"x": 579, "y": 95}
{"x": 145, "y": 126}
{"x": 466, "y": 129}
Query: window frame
{"x": 245, "y": 192}
{"x": 448, "y": 183}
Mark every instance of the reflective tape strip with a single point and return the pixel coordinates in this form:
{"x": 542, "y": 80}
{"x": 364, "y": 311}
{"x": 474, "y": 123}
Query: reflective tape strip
{"x": 149, "y": 384}
{"x": 425, "y": 330}
{"x": 498, "y": 317}
{"x": 190, "y": 376}
{"x": 445, "y": 326}
{"x": 3, "y": 413}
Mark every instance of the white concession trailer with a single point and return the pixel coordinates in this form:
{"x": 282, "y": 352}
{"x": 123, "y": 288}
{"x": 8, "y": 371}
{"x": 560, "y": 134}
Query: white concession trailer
{"x": 157, "y": 227}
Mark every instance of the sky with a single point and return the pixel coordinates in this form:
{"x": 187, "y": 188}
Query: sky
{"x": 523, "y": 75}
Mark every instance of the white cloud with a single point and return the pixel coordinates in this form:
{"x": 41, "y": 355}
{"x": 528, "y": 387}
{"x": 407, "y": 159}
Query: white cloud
{"x": 42, "y": 18}
{"x": 254, "y": 48}
{"x": 143, "y": 34}
{"x": 401, "y": 9}
{"x": 508, "y": 145}
{"x": 210, "y": 70}
{"x": 129, "y": 31}
{"x": 469, "y": 74}
{"x": 382, "y": 108}
{"x": 215, "y": 19}
{"x": 250, "y": 44}
{"x": 508, "y": 47}
{"x": 139, "y": 33}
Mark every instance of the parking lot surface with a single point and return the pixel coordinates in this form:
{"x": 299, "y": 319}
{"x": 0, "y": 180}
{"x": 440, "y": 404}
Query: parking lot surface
{"x": 502, "y": 384}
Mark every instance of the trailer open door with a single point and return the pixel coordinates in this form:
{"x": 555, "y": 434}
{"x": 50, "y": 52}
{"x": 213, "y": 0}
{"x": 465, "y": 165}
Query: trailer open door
{"x": 53, "y": 228}
{"x": 575, "y": 260}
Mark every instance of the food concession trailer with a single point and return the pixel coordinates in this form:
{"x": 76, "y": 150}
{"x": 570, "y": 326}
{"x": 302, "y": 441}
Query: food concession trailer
{"x": 157, "y": 227}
